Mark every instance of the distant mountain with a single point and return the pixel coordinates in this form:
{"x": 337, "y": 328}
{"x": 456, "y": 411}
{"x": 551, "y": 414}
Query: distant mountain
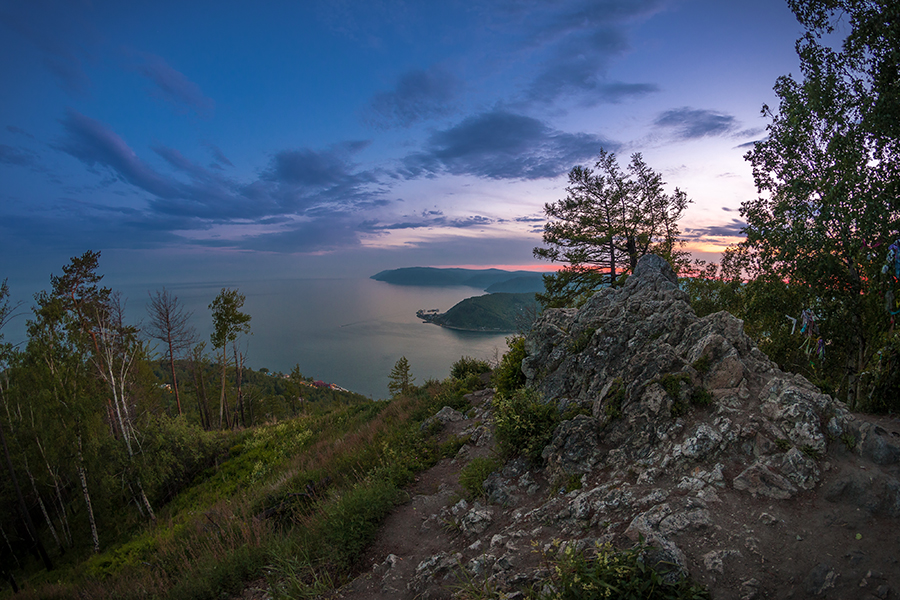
{"x": 482, "y": 279}
{"x": 530, "y": 284}
{"x": 491, "y": 312}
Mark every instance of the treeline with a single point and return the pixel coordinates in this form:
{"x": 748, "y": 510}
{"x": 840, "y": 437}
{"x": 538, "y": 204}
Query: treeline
{"x": 99, "y": 431}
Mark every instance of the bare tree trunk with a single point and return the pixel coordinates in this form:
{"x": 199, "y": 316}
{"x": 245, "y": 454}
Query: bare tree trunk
{"x": 239, "y": 373}
{"x": 64, "y": 519}
{"x": 43, "y": 507}
{"x": 87, "y": 498}
{"x": 223, "y": 406}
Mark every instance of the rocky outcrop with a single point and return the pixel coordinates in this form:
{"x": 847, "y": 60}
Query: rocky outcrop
{"x": 687, "y": 436}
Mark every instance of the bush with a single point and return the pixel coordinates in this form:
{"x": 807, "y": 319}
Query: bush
{"x": 472, "y": 476}
{"x": 611, "y": 573}
{"x": 508, "y": 376}
{"x": 467, "y": 365}
{"x": 523, "y": 424}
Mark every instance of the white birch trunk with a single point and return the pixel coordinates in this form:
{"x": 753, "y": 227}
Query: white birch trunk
{"x": 87, "y": 498}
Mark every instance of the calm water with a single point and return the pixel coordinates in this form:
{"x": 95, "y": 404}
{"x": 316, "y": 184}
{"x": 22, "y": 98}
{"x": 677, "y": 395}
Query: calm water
{"x": 344, "y": 331}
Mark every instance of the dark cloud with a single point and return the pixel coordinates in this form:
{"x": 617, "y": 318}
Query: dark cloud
{"x": 18, "y": 131}
{"x": 578, "y": 41}
{"x": 173, "y": 87}
{"x": 308, "y": 168}
{"x": 752, "y": 144}
{"x": 417, "y": 96}
{"x": 93, "y": 143}
{"x": 16, "y": 156}
{"x": 562, "y": 19}
{"x": 694, "y": 123}
{"x": 503, "y": 145}
{"x": 218, "y": 156}
{"x": 734, "y": 228}
{"x": 298, "y": 182}
{"x": 425, "y": 223}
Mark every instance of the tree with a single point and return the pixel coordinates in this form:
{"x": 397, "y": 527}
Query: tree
{"x": 827, "y": 175}
{"x": 228, "y": 323}
{"x": 607, "y": 222}
{"x": 170, "y": 324}
{"x": 400, "y": 378}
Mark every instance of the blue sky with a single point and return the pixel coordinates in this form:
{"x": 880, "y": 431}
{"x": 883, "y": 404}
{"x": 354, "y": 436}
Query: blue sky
{"x": 198, "y": 141}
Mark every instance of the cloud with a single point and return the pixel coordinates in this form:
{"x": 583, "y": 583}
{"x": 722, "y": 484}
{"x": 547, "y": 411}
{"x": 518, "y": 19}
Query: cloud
{"x": 18, "y": 131}
{"x": 576, "y": 42}
{"x": 16, "y": 156}
{"x": 307, "y": 167}
{"x": 734, "y": 228}
{"x": 503, "y": 145}
{"x": 218, "y": 156}
{"x": 93, "y": 143}
{"x": 172, "y": 86}
{"x": 693, "y": 123}
{"x": 373, "y": 226}
{"x": 313, "y": 236}
{"x": 418, "y": 95}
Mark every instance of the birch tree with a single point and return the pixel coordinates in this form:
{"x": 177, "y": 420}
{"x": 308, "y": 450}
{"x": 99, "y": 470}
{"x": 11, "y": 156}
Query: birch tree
{"x": 228, "y": 323}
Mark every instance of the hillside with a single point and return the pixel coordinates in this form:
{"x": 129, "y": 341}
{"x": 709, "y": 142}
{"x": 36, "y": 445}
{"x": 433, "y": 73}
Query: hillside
{"x": 489, "y": 313}
{"x": 476, "y": 278}
{"x": 628, "y": 445}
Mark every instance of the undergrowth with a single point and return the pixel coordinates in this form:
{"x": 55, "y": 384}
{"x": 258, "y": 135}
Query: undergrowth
{"x": 295, "y": 502}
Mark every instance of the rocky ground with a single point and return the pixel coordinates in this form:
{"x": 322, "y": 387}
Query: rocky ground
{"x": 744, "y": 477}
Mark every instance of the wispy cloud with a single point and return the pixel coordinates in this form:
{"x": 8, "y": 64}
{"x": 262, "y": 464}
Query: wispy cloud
{"x": 694, "y": 123}
{"x": 16, "y": 156}
{"x": 174, "y": 87}
{"x": 417, "y": 96}
{"x": 503, "y": 145}
{"x": 733, "y": 228}
{"x": 94, "y": 144}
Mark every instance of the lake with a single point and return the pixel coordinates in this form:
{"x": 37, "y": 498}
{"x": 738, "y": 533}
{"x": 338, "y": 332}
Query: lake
{"x": 345, "y": 331}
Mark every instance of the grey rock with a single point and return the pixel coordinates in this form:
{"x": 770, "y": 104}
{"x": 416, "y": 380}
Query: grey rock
{"x": 820, "y": 579}
{"x": 759, "y": 480}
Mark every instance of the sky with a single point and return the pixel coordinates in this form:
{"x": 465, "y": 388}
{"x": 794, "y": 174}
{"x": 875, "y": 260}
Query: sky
{"x": 234, "y": 140}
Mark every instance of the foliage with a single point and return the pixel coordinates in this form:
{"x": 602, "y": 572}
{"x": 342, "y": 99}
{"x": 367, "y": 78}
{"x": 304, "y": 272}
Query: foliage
{"x": 472, "y": 476}
{"x": 401, "y": 380}
{"x": 466, "y": 365}
{"x": 491, "y": 312}
{"x": 608, "y": 220}
{"x": 612, "y": 405}
{"x": 508, "y": 375}
{"x": 523, "y": 424}
{"x": 610, "y": 573}
{"x": 828, "y": 175}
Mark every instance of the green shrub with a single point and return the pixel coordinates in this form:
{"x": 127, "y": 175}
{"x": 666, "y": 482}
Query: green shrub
{"x": 472, "y": 476}
{"x": 508, "y": 376}
{"x": 523, "y": 424}
{"x": 620, "y": 574}
{"x": 353, "y": 520}
{"x": 614, "y": 399}
{"x": 467, "y": 365}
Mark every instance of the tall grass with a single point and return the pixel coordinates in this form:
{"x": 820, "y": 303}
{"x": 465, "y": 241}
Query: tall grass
{"x": 296, "y": 502}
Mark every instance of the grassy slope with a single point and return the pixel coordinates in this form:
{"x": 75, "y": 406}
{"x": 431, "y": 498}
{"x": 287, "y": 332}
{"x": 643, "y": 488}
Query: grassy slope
{"x": 296, "y": 501}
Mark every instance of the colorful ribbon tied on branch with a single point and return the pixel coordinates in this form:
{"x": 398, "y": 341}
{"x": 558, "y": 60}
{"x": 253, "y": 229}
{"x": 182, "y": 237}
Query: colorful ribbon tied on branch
{"x": 808, "y": 328}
